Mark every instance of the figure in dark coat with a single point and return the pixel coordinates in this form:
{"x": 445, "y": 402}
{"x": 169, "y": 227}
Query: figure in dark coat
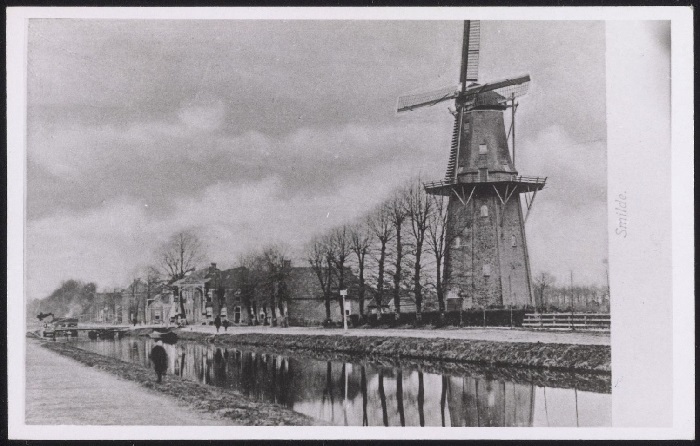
{"x": 217, "y": 323}
{"x": 226, "y": 324}
{"x": 160, "y": 359}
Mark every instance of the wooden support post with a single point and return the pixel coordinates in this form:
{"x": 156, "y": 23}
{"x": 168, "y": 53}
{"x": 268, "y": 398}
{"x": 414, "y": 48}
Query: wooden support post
{"x": 512, "y": 111}
{"x": 458, "y": 197}
{"x": 498, "y": 193}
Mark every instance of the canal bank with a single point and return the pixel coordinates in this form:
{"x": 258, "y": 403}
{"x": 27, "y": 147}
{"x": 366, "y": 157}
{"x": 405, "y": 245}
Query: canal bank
{"x": 551, "y": 356}
{"x": 223, "y": 404}
{"x": 60, "y": 391}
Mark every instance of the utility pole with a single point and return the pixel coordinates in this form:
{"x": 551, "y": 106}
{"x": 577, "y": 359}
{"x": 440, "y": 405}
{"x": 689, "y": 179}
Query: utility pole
{"x": 344, "y": 293}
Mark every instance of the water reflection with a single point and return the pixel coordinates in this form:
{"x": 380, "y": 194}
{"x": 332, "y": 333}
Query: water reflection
{"x": 370, "y": 394}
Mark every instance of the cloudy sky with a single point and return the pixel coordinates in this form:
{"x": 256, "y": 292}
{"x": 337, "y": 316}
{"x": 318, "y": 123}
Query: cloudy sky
{"x": 255, "y": 131}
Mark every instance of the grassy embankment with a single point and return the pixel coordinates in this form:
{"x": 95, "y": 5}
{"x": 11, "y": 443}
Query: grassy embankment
{"x": 586, "y": 367}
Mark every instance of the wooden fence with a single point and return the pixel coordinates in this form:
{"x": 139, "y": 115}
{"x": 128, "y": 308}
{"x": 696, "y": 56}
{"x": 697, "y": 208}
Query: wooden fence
{"x": 567, "y": 321}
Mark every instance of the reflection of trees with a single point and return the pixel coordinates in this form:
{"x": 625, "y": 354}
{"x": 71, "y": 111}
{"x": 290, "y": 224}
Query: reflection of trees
{"x": 421, "y": 398}
{"x": 382, "y": 396}
{"x": 399, "y": 396}
{"x": 310, "y": 386}
{"x": 443, "y": 397}
{"x": 363, "y": 384}
{"x": 328, "y": 390}
{"x": 219, "y": 368}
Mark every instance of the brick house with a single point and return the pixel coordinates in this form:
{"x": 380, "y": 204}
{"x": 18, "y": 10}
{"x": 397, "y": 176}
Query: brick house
{"x": 212, "y": 292}
{"x": 306, "y": 303}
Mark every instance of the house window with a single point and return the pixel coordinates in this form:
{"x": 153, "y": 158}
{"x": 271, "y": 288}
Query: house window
{"x": 487, "y": 270}
{"x": 513, "y": 242}
{"x": 484, "y": 211}
{"x": 483, "y": 149}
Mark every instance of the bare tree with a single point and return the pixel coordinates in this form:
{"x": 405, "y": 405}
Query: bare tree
{"x": 180, "y": 254}
{"x": 152, "y": 280}
{"x": 277, "y": 270}
{"x": 543, "y": 281}
{"x": 319, "y": 257}
{"x": 380, "y": 225}
{"x": 134, "y": 289}
{"x": 360, "y": 243}
{"x": 437, "y": 234}
{"x": 397, "y": 210}
{"x": 251, "y": 279}
{"x": 340, "y": 249}
{"x": 419, "y": 208}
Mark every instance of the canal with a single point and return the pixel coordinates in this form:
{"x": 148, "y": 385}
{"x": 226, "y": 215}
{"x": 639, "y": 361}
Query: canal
{"x": 364, "y": 393}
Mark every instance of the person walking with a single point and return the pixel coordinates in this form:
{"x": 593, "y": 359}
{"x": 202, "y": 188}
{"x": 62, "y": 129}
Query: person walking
{"x": 159, "y": 357}
{"x": 226, "y": 324}
{"x": 217, "y": 323}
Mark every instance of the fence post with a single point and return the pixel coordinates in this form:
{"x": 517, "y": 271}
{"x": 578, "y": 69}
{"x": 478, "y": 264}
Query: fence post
{"x": 511, "y": 316}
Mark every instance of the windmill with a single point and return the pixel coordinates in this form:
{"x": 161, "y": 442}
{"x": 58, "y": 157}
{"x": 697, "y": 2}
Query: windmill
{"x": 486, "y": 258}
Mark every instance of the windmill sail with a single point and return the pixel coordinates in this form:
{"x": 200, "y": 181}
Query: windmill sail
{"x": 469, "y": 72}
{"x": 508, "y": 88}
{"x": 410, "y": 101}
{"x": 470, "y": 51}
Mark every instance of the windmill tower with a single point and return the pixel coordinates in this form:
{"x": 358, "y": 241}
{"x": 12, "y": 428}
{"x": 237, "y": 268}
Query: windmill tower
{"x": 486, "y": 259}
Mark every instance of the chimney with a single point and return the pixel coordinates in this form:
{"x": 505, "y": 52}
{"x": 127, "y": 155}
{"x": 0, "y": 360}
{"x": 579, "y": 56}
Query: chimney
{"x": 213, "y": 265}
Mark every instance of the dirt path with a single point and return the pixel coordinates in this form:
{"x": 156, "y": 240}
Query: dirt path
{"x": 480, "y": 334}
{"x": 62, "y": 391}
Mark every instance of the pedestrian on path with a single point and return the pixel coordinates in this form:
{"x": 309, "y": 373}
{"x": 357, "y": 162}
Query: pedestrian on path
{"x": 217, "y": 323}
{"x": 159, "y": 357}
{"x": 226, "y": 324}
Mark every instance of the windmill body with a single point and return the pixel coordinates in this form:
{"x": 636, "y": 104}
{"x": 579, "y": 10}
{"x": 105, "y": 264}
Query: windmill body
{"x": 486, "y": 259}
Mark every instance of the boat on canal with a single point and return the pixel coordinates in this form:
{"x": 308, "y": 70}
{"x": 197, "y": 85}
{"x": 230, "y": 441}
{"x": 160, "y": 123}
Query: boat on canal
{"x": 166, "y": 335}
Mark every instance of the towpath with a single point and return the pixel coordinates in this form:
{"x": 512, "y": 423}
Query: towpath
{"x": 62, "y": 391}
{"x": 480, "y": 334}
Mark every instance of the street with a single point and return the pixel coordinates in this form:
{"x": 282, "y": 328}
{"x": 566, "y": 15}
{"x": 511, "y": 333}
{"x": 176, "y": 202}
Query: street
{"x": 481, "y": 334}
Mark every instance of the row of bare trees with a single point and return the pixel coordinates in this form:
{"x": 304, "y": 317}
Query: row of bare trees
{"x": 396, "y": 251}
{"x": 264, "y": 275}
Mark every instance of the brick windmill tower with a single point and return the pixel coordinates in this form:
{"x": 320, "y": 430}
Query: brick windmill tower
{"x": 486, "y": 258}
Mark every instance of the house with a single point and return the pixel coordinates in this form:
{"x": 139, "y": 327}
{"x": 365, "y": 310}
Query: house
{"x": 306, "y": 304}
{"x": 195, "y": 294}
{"x": 246, "y": 298}
{"x": 161, "y": 308}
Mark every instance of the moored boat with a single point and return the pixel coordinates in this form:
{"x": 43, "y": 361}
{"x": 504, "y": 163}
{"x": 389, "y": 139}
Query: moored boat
{"x": 164, "y": 334}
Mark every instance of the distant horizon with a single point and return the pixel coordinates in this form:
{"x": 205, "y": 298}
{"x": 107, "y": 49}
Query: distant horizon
{"x": 276, "y": 131}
